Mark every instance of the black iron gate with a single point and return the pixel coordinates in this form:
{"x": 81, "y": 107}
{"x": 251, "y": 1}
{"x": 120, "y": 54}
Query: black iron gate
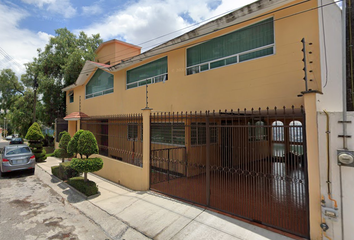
{"x": 251, "y": 164}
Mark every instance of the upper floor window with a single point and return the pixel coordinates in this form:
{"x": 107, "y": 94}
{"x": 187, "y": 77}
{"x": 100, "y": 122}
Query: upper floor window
{"x": 247, "y": 43}
{"x": 71, "y": 96}
{"x": 101, "y": 83}
{"x": 149, "y": 73}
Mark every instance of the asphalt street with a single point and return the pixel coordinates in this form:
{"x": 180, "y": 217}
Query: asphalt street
{"x": 30, "y": 209}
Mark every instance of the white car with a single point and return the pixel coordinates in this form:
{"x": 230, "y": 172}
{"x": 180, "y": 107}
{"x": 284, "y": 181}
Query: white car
{"x": 9, "y": 137}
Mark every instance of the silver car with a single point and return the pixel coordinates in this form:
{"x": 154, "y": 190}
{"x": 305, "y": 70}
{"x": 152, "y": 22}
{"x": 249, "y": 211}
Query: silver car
{"x": 17, "y": 157}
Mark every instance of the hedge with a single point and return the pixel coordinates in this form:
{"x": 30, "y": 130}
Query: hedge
{"x": 66, "y": 171}
{"x": 88, "y": 188}
{"x": 55, "y": 171}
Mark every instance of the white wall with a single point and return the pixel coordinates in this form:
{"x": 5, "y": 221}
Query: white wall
{"x": 331, "y": 56}
{"x": 336, "y": 143}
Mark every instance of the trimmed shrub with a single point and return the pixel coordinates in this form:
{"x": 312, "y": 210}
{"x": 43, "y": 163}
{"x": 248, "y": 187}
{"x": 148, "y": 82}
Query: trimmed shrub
{"x": 34, "y": 133}
{"x": 58, "y": 152}
{"x": 87, "y": 144}
{"x": 63, "y": 144}
{"x": 87, "y": 164}
{"x": 66, "y": 171}
{"x": 88, "y": 188}
{"x": 35, "y": 136}
{"x": 55, "y": 171}
{"x": 73, "y": 144}
{"x": 35, "y": 145}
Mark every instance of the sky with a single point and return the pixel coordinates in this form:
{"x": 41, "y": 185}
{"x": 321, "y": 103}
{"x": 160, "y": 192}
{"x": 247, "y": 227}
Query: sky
{"x": 26, "y": 25}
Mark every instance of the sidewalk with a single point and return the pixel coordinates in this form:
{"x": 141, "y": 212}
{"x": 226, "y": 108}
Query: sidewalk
{"x": 127, "y": 214}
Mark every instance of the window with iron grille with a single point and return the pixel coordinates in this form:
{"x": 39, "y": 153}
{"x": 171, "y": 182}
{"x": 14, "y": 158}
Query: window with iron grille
{"x": 168, "y": 133}
{"x": 198, "y": 133}
{"x": 132, "y": 131}
{"x": 257, "y": 131}
{"x": 149, "y": 73}
{"x": 100, "y": 84}
{"x": 244, "y": 44}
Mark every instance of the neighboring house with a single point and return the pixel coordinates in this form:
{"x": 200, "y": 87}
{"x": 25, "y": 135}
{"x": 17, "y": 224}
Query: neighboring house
{"x": 262, "y": 154}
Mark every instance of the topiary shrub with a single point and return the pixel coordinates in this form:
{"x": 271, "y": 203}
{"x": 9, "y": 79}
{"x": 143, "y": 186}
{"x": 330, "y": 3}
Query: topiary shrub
{"x": 35, "y": 136}
{"x": 73, "y": 144}
{"x": 88, "y": 188}
{"x": 63, "y": 144}
{"x": 66, "y": 171}
{"x": 87, "y": 145}
{"x": 55, "y": 171}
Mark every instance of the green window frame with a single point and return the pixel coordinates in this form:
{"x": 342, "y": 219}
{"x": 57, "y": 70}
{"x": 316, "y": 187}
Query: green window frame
{"x": 100, "y": 84}
{"x": 149, "y": 73}
{"x": 248, "y": 43}
{"x": 168, "y": 133}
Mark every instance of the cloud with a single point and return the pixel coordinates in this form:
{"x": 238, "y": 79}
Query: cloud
{"x": 92, "y": 10}
{"x": 144, "y": 20}
{"x": 20, "y": 45}
{"x": 63, "y": 7}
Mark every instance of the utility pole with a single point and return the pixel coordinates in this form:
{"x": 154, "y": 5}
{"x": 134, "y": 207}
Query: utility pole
{"x": 35, "y": 86}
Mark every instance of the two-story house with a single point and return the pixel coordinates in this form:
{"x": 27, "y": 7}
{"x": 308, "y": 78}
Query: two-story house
{"x": 268, "y": 70}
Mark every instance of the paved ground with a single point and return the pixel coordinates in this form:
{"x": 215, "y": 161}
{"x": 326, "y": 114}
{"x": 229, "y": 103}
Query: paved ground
{"x": 30, "y": 209}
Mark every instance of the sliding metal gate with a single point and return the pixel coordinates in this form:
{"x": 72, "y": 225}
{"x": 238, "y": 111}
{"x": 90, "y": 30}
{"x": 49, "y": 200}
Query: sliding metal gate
{"x": 251, "y": 164}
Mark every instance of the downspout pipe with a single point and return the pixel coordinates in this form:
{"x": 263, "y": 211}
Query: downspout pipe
{"x": 344, "y": 86}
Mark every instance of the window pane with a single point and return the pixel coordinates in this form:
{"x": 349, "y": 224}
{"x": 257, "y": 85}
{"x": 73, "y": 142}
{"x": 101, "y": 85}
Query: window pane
{"x": 149, "y": 70}
{"x": 217, "y": 64}
{"x": 278, "y": 149}
{"x": 278, "y": 131}
{"x": 251, "y": 37}
{"x": 98, "y": 85}
{"x": 256, "y": 54}
{"x": 295, "y": 131}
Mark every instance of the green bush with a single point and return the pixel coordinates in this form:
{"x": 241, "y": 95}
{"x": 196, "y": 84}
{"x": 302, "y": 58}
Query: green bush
{"x": 34, "y": 133}
{"x": 87, "y": 144}
{"x": 73, "y": 144}
{"x": 34, "y": 136}
{"x": 88, "y": 188}
{"x": 63, "y": 144}
{"x": 87, "y": 164}
{"x": 55, "y": 171}
{"x": 57, "y": 152}
{"x": 35, "y": 145}
{"x": 66, "y": 171}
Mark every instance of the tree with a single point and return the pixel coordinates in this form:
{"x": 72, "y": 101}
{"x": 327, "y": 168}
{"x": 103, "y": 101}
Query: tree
{"x": 21, "y": 112}
{"x": 87, "y": 145}
{"x": 35, "y": 136}
{"x": 58, "y": 66}
{"x": 10, "y": 89}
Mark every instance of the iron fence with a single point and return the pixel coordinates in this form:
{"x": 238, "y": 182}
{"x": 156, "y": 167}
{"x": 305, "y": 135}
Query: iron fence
{"x": 118, "y": 137}
{"x": 61, "y": 125}
{"x": 251, "y": 164}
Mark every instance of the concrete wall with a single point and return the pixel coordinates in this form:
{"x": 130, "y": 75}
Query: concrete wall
{"x": 336, "y": 143}
{"x": 331, "y": 57}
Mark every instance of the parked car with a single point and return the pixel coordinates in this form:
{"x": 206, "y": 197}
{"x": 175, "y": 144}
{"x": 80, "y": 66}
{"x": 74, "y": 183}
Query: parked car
{"x": 17, "y": 157}
{"x": 9, "y": 137}
{"x": 16, "y": 140}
